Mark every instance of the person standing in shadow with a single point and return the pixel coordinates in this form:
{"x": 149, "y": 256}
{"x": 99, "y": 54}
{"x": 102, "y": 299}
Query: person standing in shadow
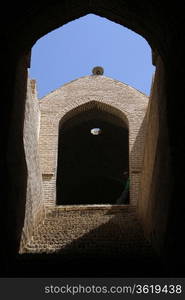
{"x": 124, "y": 197}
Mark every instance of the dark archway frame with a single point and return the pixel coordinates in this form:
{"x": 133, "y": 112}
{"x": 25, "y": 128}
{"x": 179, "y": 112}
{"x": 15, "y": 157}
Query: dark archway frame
{"x": 159, "y": 24}
{"x": 90, "y": 168}
{"x": 61, "y": 14}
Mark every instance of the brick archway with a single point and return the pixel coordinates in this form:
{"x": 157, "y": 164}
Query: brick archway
{"x": 120, "y": 104}
{"x": 90, "y": 167}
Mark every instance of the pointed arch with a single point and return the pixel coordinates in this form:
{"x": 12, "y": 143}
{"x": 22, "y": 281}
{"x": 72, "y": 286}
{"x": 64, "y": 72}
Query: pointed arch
{"x": 90, "y": 169}
{"x": 114, "y": 114}
{"x": 58, "y": 14}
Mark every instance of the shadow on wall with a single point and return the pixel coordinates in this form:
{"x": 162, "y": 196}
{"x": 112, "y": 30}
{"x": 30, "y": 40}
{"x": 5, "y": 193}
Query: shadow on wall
{"x": 137, "y": 157}
{"x": 156, "y": 181}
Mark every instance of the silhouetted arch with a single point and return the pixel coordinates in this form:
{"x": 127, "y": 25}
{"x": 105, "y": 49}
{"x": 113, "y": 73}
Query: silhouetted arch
{"x": 162, "y": 29}
{"x": 58, "y": 14}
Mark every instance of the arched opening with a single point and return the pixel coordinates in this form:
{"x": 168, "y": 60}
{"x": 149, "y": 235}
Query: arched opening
{"x": 93, "y": 154}
{"x": 156, "y": 27}
{"x": 87, "y": 42}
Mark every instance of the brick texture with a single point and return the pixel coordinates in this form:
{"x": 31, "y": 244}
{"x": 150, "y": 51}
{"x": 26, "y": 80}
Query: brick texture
{"x": 34, "y": 196}
{"x": 82, "y": 95}
{"x": 89, "y": 230}
{"x": 156, "y": 185}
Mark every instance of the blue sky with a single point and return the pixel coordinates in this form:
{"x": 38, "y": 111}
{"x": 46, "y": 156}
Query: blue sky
{"x": 72, "y": 51}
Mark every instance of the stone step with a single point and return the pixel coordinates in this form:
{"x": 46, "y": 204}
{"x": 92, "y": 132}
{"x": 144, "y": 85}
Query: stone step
{"x": 53, "y": 211}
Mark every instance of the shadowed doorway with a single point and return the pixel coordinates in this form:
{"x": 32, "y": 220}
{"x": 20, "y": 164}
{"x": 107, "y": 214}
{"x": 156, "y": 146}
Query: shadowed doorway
{"x": 92, "y": 157}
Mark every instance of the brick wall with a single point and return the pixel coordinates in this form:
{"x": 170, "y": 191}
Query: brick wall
{"x": 34, "y": 198}
{"x": 156, "y": 184}
{"x": 88, "y": 92}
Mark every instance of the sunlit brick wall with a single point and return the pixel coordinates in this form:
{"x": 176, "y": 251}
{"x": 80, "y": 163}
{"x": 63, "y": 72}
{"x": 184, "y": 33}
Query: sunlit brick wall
{"x": 80, "y": 95}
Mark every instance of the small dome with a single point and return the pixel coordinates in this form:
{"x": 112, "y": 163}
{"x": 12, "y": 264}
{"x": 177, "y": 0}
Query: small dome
{"x": 98, "y": 70}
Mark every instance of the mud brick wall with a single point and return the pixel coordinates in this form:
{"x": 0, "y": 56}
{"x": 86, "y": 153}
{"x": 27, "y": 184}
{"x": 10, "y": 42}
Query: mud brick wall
{"x": 84, "y": 94}
{"x": 34, "y": 203}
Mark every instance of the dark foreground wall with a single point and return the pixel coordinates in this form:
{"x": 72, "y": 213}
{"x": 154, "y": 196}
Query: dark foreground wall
{"x": 161, "y": 203}
{"x": 156, "y": 186}
{"x": 163, "y": 26}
